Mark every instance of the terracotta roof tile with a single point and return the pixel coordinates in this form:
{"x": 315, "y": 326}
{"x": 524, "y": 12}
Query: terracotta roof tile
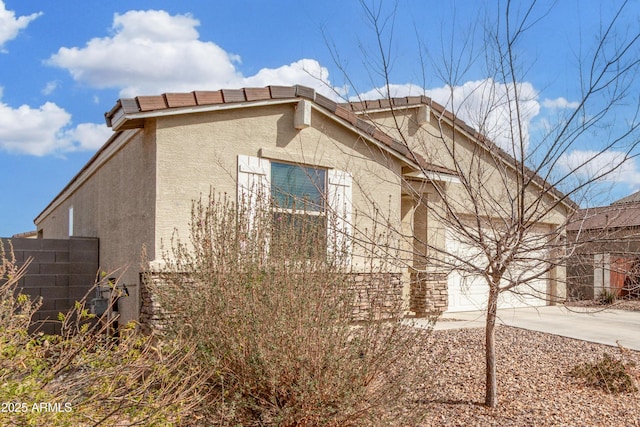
{"x": 400, "y": 102}
{"x": 366, "y": 126}
{"x": 383, "y": 137}
{"x": 401, "y": 148}
{"x": 257, "y": 93}
{"x": 326, "y": 103}
{"x": 372, "y": 104}
{"x": 233, "y": 95}
{"x": 633, "y": 198}
{"x": 209, "y": 97}
{"x": 278, "y": 92}
{"x": 150, "y": 103}
{"x": 305, "y": 92}
{"x": 129, "y": 105}
{"x": 180, "y": 99}
{"x": 606, "y": 217}
{"x": 346, "y": 114}
{"x": 385, "y": 103}
{"x": 356, "y": 106}
{"x": 227, "y": 96}
{"x": 413, "y": 100}
{"x": 345, "y": 111}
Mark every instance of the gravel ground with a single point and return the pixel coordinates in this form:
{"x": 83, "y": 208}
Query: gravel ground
{"x": 633, "y": 305}
{"x": 534, "y": 388}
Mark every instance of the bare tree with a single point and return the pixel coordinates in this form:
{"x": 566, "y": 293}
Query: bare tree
{"x": 501, "y": 214}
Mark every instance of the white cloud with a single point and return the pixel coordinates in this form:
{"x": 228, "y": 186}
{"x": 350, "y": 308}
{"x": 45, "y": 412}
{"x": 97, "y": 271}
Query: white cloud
{"x": 142, "y": 60}
{"x": 559, "y": 103}
{"x": 489, "y": 107}
{"x": 151, "y": 52}
{"x": 589, "y": 164}
{"x": 485, "y": 105}
{"x": 10, "y": 25}
{"x": 87, "y": 136}
{"x": 395, "y": 90}
{"x": 46, "y": 130}
{"x": 50, "y": 87}
{"x": 306, "y": 72}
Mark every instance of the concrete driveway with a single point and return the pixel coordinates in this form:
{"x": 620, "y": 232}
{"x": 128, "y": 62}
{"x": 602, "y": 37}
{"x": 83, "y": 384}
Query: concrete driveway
{"x": 587, "y": 324}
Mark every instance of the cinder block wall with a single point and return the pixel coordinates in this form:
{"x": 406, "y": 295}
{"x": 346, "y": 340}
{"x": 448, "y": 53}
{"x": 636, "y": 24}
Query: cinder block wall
{"x": 61, "y": 271}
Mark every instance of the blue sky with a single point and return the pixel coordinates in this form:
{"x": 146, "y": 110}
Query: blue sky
{"x": 63, "y": 64}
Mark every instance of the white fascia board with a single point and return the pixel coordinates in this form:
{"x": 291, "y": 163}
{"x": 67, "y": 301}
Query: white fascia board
{"x": 433, "y": 176}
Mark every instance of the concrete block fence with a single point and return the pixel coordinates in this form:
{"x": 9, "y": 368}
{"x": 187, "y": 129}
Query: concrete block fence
{"x": 61, "y": 271}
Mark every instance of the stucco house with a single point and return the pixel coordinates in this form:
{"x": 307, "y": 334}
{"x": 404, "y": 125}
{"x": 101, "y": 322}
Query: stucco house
{"x": 607, "y": 250}
{"x": 169, "y": 149}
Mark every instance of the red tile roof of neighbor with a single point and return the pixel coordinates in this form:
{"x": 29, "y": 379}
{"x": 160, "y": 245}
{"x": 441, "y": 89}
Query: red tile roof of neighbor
{"x": 623, "y": 213}
{"x": 633, "y": 198}
{"x": 606, "y": 217}
{"x": 346, "y": 111}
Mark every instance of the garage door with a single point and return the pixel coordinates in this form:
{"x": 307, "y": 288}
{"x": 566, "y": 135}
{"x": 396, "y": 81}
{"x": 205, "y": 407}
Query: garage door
{"x": 470, "y": 292}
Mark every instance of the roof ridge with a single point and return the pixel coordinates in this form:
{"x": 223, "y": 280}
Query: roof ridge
{"x": 632, "y": 198}
{"x": 167, "y": 100}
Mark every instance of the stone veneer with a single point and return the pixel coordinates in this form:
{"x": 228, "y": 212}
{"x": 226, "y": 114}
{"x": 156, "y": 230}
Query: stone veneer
{"x": 152, "y": 317}
{"x": 428, "y": 293}
{"x": 385, "y": 287}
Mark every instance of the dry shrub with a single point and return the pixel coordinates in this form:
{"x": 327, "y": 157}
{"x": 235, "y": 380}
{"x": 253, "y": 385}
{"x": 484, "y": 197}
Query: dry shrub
{"x": 607, "y": 297}
{"x": 609, "y": 374}
{"x": 86, "y": 376}
{"x": 272, "y": 318}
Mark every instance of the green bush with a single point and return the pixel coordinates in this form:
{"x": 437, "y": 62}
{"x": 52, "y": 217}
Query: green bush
{"x": 281, "y": 327}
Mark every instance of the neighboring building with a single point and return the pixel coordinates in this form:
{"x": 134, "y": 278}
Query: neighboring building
{"x": 607, "y": 250}
{"x": 167, "y": 150}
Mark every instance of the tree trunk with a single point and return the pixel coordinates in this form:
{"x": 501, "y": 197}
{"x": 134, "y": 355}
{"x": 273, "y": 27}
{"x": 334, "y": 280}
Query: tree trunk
{"x": 491, "y": 385}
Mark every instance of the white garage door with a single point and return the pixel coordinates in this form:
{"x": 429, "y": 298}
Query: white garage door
{"x": 470, "y": 292}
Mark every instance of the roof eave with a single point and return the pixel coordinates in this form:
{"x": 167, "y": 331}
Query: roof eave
{"x": 120, "y": 120}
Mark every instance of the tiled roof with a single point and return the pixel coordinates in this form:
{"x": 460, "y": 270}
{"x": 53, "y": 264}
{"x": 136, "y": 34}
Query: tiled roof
{"x": 606, "y": 217}
{"x": 168, "y": 101}
{"x": 346, "y": 111}
{"x": 633, "y": 198}
{"x": 623, "y": 213}
{"x": 26, "y": 235}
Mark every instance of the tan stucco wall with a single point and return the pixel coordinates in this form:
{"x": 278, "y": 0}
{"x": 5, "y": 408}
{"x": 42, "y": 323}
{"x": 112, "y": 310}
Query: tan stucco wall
{"x": 115, "y": 202}
{"x": 198, "y": 152}
{"x": 436, "y": 142}
{"x": 142, "y": 192}
{"x": 491, "y": 181}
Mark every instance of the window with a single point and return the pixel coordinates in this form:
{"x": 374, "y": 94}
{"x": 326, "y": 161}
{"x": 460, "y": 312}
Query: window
{"x": 299, "y": 194}
{"x": 323, "y": 196}
{"x": 71, "y": 221}
{"x": 299, "y": 188}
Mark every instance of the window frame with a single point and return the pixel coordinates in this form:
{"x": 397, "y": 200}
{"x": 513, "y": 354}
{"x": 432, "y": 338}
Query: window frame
{"x": 254, "y": 188}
